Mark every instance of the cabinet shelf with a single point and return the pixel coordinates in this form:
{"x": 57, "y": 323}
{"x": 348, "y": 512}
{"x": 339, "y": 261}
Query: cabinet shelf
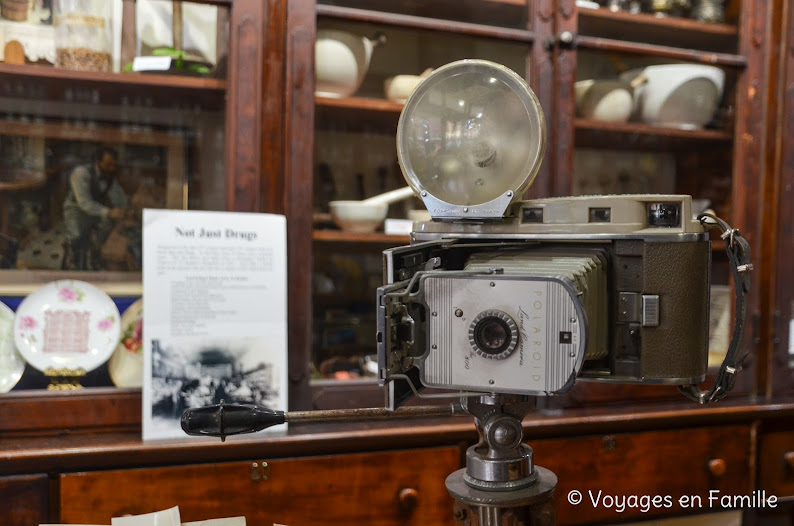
{"x": 661, "y": 51}
{"x": 51, "y": 83}
{"x": 339, "y": 236}
{"x": 396, "y": 19}
{"x": 359, "y": 104}
{"x": 630, "y": 135}
{"x": 357, "y": 114}
{"x": 134, "y": 79}
{"x": 666, "y": 31}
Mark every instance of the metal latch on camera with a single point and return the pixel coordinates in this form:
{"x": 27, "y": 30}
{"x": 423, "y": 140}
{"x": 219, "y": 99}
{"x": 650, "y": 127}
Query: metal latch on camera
{"x": 639, "y": 308}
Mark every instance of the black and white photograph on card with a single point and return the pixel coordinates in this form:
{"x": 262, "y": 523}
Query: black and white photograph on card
{"x": 197, "y": 372}
{"x": 216, "y": 325}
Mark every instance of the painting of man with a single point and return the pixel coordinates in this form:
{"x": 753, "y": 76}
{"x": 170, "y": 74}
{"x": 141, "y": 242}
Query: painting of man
{"x": 94, "y": 202}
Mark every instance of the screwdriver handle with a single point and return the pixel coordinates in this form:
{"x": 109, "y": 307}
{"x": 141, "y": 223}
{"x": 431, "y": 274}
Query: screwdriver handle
{"x": 223, "y": 420}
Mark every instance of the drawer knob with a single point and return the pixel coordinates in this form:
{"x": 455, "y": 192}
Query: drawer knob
{"x": 718, "y": 467}
{"x": 788, "y": 456}
{"x": 408, "y": 499}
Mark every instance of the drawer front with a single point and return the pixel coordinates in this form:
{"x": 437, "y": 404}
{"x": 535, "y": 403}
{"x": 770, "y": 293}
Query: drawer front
{"x": 665, "y": 463}
{"x": 385, "y": 488}
{"x": 776, "y": 467}
{"x": 24, "y": 500}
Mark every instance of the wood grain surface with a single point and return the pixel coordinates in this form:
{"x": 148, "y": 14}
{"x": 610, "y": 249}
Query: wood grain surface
{"x": 343, "y": 489}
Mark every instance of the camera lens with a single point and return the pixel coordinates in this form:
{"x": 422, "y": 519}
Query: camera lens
{"x": 493, "y": 334}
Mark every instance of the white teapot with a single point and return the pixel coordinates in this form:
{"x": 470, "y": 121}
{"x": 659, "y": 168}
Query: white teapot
{"x": 341, "y": 60}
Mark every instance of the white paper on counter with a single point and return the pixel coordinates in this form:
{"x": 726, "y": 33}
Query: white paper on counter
{"x": 229, "y": 521}
{"x": 164, "y": 518}
{"x": 215, "y": 314}
{"x": 169, "y": 517}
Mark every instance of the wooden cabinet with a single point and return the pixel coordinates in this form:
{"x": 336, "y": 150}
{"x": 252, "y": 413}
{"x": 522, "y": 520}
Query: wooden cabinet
{"x": 208, "y": 142}
{"x": 24, "y": 500}
{"x": 394, "y": 472}
{"x": 775, "y": 471}
{"x": 780, "y": 222}
{"x": 386, "y": 488}
{"x": 554, "y": 44}
{"x": 354, "y": 155}
{"x": 776, "y": 463}
{"x": 275, "y": 132}
{"x": 607, "y": 469}
{"x": 723, "y": 163}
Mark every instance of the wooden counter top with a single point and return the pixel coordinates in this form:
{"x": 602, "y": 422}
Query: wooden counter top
{"x": 77, "y": 451}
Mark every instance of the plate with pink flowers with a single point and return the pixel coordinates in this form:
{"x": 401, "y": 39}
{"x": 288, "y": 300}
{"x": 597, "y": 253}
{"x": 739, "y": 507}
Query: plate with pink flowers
{"x": 67, "y": 324}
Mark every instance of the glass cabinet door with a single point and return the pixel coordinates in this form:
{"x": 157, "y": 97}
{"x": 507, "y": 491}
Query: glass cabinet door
{"x": 704, "y": 138}
{"x": 779, "y": 230}
{"x": 395, "y": 44}
{"x": 652, "y": 99}
{"x": 104, "y": 112}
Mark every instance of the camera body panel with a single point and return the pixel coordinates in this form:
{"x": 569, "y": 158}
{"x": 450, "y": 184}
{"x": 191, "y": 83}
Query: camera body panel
{"x": 640, "y": 289}
{"x": 542, "y": 309}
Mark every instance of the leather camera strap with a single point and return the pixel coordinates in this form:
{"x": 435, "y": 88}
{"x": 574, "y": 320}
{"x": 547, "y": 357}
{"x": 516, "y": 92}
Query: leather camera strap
{"x": 738, "y": 251}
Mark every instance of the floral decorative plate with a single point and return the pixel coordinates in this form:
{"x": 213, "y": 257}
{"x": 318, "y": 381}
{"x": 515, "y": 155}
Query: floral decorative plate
{"x": 67, "y": 324}
{"x": 11, "y": 363}
{"x": 126, "y": 364}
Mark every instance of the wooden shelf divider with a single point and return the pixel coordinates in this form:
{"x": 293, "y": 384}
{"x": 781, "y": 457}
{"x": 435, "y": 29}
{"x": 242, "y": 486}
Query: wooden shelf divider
{"x": 632, "y": 135}
{"x": 359, "y": 103}
{"x": 647, "y": 19}
{"x": 648, "y": 28}
{"x": 132, "y": 79}
{"x": 663, "y": 51}
{"x": 419, "y": 22}
{"x": 339, "y": 236}
{"x": 357, "y": 113}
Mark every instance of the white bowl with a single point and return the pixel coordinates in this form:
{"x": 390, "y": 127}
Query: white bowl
{"x": 341, "y": 60}
{"x": 355, "y": 216}
{"x": 604, "y": 100}
{"x": 399, "y": 88}
{"x": 678, "y": 95}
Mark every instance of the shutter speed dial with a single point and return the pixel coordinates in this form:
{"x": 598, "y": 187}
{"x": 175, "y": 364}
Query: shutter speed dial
{"x": 493, "y": 334}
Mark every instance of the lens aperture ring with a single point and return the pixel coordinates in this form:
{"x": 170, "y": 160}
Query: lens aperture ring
{"x": 493, "y": 334}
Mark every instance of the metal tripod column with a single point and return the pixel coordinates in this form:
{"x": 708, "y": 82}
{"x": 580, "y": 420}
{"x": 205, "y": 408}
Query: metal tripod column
{"x": 500, "y": 485}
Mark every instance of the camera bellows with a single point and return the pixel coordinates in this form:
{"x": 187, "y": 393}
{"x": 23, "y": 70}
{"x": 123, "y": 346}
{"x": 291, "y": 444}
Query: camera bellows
{"x": 585, "y": 269}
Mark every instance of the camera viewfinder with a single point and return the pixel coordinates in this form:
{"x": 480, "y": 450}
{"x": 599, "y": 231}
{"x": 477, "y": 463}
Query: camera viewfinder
{"x": 600, "y": 215}
{"x": 533, "y": 215}
{"x": 664, "y": 215}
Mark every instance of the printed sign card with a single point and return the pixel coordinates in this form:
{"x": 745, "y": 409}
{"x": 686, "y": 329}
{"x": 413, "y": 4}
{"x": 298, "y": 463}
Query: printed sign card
{"x": 215, "y": 313}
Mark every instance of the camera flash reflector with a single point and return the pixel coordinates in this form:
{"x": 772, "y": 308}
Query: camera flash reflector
{"x": 470, "y": 140}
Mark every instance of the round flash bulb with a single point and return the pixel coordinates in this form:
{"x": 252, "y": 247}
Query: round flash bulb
{"x": 470, "y": 134}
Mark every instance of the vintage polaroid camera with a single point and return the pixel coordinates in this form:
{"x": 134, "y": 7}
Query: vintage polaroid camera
{"x": 501, "y": 296}
{"x": 498, "y": 301}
